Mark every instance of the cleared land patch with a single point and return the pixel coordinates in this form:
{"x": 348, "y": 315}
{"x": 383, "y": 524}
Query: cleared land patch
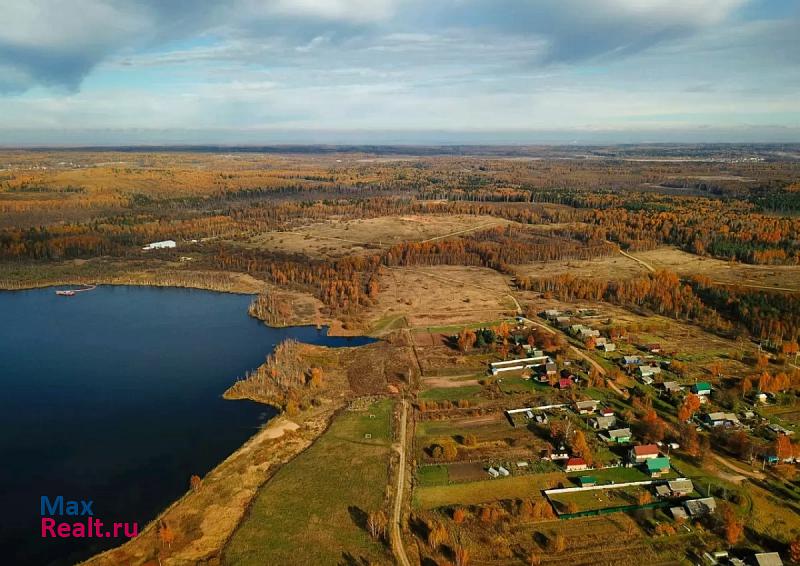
{"x": 686, "y": 264}
{"x": 336, "y": 238}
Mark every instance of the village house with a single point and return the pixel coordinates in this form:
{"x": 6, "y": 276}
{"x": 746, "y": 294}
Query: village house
{"x": 576, "y": 465}
{"x": 552, "y": 314}
{"x": 550, "y": 368}
{"x": 678, "y": 513}
{"x": 603, "y": 422}
{"x": 631, "y": 360}
{"x": 619, "y": 435}
{"x": 701, "y": 388}
{"x": 653, "y": 348}
{"x": 586, "y": 407}
{"x": 643, "y": 452}
{"x": 700, "y": 507}
{"x": 671, "y": 387}
{"x": 587, "y": 481}
{"x": 648, "y": 371}
{"x": 767, "y": 559}
{"x": 720, "y": 418}
{"x": 562, "y": 321}
{"x": 608, "y": 347}
{"x": 564, "y": 383}
{"x": 675, "y": 488}
{"x": 606, "y": 411}
{"x": 583, "y": 332}
{"x": 778, "y": 429}
{"x": 658, "y": 466}
{"x": 519, "y": 364}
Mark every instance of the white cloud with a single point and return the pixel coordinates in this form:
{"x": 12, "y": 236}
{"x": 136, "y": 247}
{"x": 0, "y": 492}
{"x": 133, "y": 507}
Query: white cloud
{"x": 398, "y": 64}
{"x": 358, "y": 11}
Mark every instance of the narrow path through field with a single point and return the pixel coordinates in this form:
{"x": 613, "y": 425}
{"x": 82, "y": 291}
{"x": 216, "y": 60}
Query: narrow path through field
{"x": 651, "y": 269}
{"x": 484, "y": 225}
{"x": 641, "y": 262}
{"x": 727, "y": 463}
{"x": 396, "y": 538}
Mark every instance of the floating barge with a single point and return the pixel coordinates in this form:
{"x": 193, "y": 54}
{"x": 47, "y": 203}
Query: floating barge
{"x": 73, "y": 292}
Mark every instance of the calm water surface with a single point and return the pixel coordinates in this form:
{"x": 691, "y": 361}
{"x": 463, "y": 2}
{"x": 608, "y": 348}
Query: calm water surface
{"x": 114, "y": 395}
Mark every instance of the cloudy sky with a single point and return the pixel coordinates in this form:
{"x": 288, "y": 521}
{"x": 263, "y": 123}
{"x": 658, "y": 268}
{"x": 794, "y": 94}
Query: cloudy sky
{"x": 412, "y": 71}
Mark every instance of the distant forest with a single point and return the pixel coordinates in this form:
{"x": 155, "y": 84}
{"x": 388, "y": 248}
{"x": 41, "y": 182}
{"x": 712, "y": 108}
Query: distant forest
{"x": 741, "y": 205}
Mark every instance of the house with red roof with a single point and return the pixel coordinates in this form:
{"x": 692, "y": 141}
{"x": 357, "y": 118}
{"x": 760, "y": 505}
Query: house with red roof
{"x": 564, "y": 383}
{"x": 643, "y": 452}
{"x": 576, "y": 465}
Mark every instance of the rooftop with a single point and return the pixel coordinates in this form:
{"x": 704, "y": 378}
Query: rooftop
{"x": 645, "y": 450}
{"x": 655, "y": 464}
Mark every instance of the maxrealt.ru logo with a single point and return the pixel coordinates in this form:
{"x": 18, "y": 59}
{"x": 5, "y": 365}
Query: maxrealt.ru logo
{"x": 67, "y": 518}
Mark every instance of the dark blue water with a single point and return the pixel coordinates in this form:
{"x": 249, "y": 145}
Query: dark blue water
{"x": 114, "y": 395}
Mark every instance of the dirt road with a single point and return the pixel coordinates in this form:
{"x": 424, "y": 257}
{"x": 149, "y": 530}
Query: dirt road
{"x": 397, "y": 540}
{"x": 651, "y": 269}
{"x": 479, "y": 227}
{"x": 641, "y": 262}
{"x": 736, "y": 468}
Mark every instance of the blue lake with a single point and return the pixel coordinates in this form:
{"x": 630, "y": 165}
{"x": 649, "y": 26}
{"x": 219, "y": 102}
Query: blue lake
{"x": 115, "y": 395}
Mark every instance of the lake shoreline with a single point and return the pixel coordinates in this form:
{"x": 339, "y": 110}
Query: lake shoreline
{"x": 235, "y": 284}
{"x": 232, "y": 480}
{"x": 283, "y": 445}
{"x": 228, "y": 490}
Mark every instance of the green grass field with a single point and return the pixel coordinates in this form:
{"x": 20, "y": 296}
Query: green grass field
{"x": 470, "y": 493}
{"x": 592, "y": 500}
{"x": 456, "y": 328}
{"x": 432, "y": 475}
{"x": 313, "y": 510}
{"x": 616, "y": 475}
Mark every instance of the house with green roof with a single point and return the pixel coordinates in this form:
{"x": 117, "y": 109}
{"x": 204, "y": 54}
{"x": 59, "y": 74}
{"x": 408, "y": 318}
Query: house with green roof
{"x": 701, "y": 388}
{"x": 657, "y": 466}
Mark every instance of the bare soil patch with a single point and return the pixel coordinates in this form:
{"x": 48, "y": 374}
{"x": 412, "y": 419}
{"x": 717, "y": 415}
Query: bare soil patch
{"x": 605, "y": 268}
{"x": 449, "y": 381}
{"x": 432, "y": 297}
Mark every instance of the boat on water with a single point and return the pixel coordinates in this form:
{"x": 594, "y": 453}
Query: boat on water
{"x": 72, "y": 292}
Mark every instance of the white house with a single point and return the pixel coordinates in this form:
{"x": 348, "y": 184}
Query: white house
{"x": 520, "y": 364}
{"x": 586, "y": 407}
{"x": 160, "y": 245}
